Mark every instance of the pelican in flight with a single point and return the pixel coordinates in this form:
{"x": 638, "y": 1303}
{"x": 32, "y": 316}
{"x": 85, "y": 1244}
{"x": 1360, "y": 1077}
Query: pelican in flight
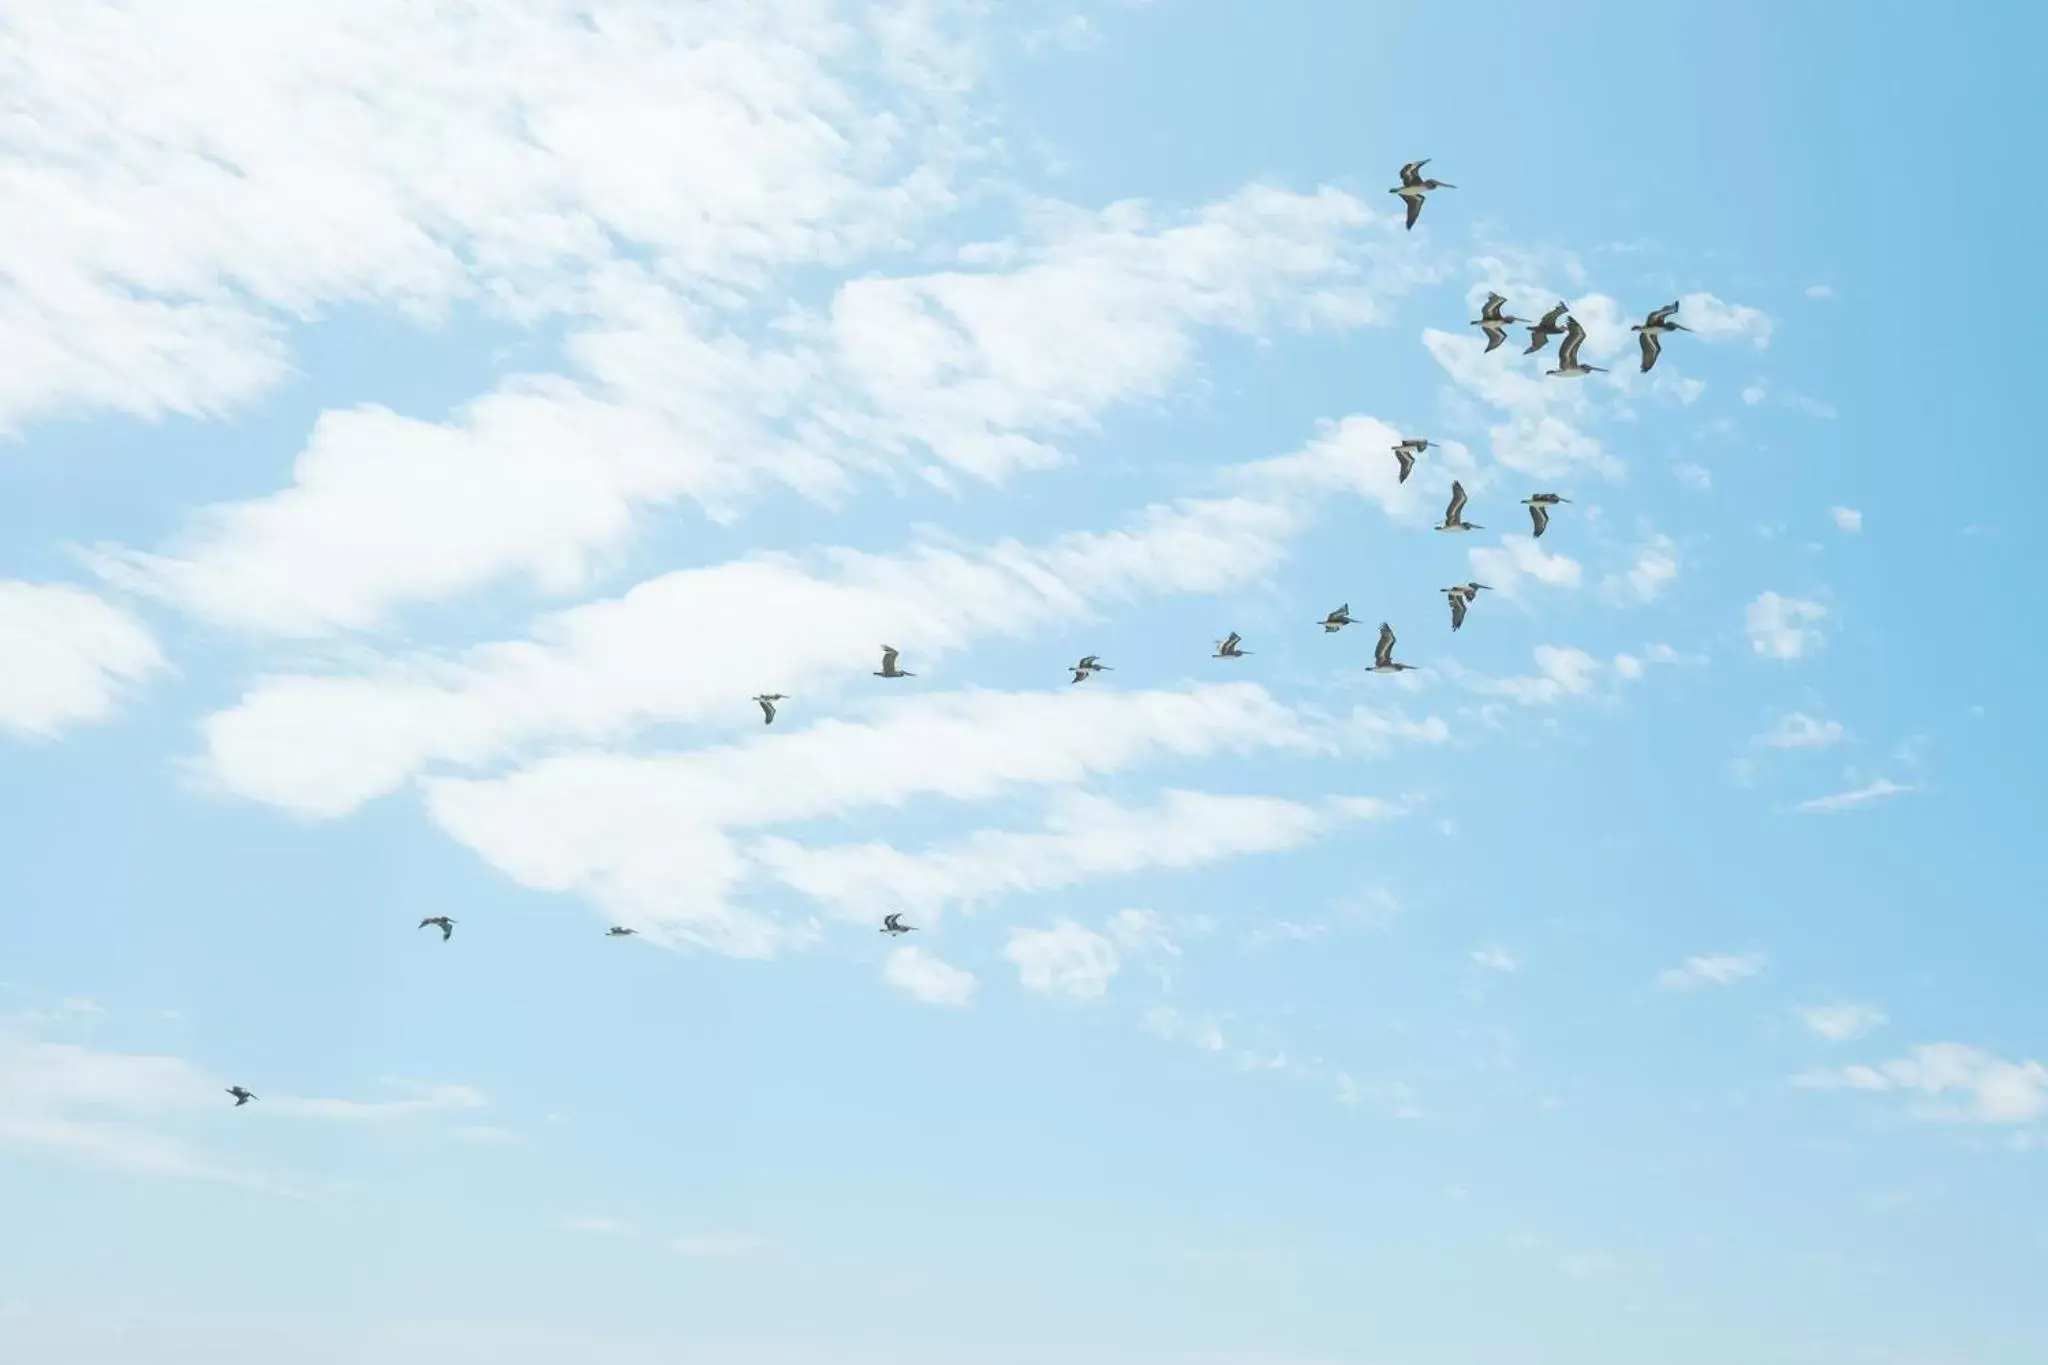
{"x": 242, "y": 1096}
{"x": 1226, "y": 648}
{"x": 1539, "y": 505}
{"x": 620, "y": 931}
{"x": 1568, "y": 363}
{"x": 1089, "y": 665}
{"x": 889, "y": 668}
{"x": 441, "y": 922}
{"x": 1494, "y": 322}
{"x": 1337, "y": 619}
{"x": 1454, "y": 515}
{"x": 767, "y": 701}
{"x": 1650, "y": 331}
{"x": 1383, "y": 655}
{"x": 1413, "y": 187}
{"x": 893, "y": 924}
{"x": 1405, "y": 453}
{"x": 1545, "y": 328}
{"x": 1461, "y": 596}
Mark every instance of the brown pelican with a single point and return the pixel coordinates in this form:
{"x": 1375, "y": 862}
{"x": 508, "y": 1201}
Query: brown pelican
{"x": 620, "y": 931}
{"x": 1413, "y": 187}
{"x": 1494, "y": 322}
{"x": 441, "y": 922}
{"x": 1651, "y": 332}
{"x": 1337, "y": 619}
{"x": 1539, "y": 505}
{"x": 889, "y": 668}
{"x": 242, "y": 1096}
{"x": 768, "y": 700}
{"x": 1568, "y": 365}
{"x": 1383, "y": 655}
{"x": 1089, "y": 664}
{"x": 1454, "y": 515}
{"x": 1226, "y": 648}
{"x": 1405, "y": 453}
{"x": 1546, "y": 327}
{"x": 1461, "y": 596}
{"x": 893, "y": 924}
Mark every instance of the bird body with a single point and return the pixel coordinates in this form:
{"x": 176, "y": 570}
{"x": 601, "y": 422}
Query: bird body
{"x": 1337, "y": 619}
{"x": 1383, "y": 653}
{"x": 1226, "y": 648}
{"x": 893, "y": 924}
{"x": 441, "y": 922}
{"x": 1413, "y": 187}
{"x": 1090, "y": 664}
{"x": 889, "y": 668}
{"x": 242, "y": 1096}
{"x": 1454, "y": 515}
{"x": 1539, "y": 505}
{"x": 1493, "y": 321}
{"x": 620, "y": 931}
{"x": 1545, "y": 328}
{"x": 767, "y": 702}
{"x": 1568, "y": 363}
{"x": 1650, "y": 332}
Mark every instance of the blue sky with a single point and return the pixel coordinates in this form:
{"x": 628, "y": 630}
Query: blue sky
{"x": 429, "y": 430}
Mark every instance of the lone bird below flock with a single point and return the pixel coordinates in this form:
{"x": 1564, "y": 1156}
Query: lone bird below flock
{"x": 1650, "y": 331}
{"x": 242, "y": 1096}
{"x": 1495, "y": 322}
{"x": 889, "y": 668}
{"x": 1461, "y": 596}
{"x": 1454, "y": 515}
{"x": 893, "y": 924}
{"x": 1089, "y": 664}
{"x": 620, "y": 931}
{"x": 1539, "y": 505}
{"x": 767, "y": 701}
{"x": 1568, "y": 365}
{"x": 1413, "y": 187}
{"x": 1226, "y": 648}
{"x": 1544, "y": 329}
{"x": 441, "y": 922}
{"x": 1383, "y": 655}
{"x": 1405, "y": 453}
{"x": 1337, "y": 619}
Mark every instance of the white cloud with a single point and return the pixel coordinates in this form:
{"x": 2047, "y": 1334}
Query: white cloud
{"x": 1847, "y": 519}
{"x": 70, "y": 656}
{"x": 1779, "y": 626}
{"x": 1754, "y": 394}
{"x": 1693, "y": 476}
{"x": 1063, "y": 960}
{"x": 1716, "y": 320}
{"x": 1504, "y": 567}
{"x": 1797, "y": 730}
{"x": 1711, "y": 969}
{"x": 1170, "y": 1025}
{"x": 1540, "y": 435}
{"x": 423, "y": 1099}
{"x": 1655, "y": 568}
{"x": 1842, "y": 1023}
{"x": 1985, "y": 1088}
{"x": 1875, "y": 790}
{"x": 923, "y": 977}
{"x": 1496, "y": 959}
{"x": 1561, "y": 671}
{"x": 1141, "y": 932}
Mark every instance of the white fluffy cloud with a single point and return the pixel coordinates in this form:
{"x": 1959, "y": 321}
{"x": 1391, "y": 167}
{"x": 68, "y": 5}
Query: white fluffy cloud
{"x": 1518, "y": 560}
{"x": 1847, "y": 519}
{"x": 1712, "y": 969}
{"x": 69, "y": 656}
{"x": 1782, "y": 627}
{"x": 1566, "y": 671}
{"x": 1065, "y": 959}
{"x": 921, "y": 976}
{"x": 1967, "y": 1084}
{"x": 1655, "y": 568}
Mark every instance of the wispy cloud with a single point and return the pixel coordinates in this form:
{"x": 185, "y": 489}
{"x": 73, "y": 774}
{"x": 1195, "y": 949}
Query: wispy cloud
{"x": 1875, "y": 790}
{"x": 1841, "y": 1023}
{"x": 1712, "y": 969}
{"x": 1970, "y": 1085}
{"x": 70, "y": 656}
{"x": 1797, "y": 730}
{"x": 923, "y": 977}
{"x": 1847, "y": 519}
{"x": 1065, "y": 959}
{"x": 1781, "y": 627}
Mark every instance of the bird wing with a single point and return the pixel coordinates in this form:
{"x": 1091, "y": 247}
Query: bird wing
{"x": 1457, "y": 610}
{"x": 1230, "y": 641}
{"x": 1652, "y": 348}
{"x": 1550, "y": 318}
{"x": 1661, "y": 315}
{"x": 1406, "y": 459}
{"x": 1538, "y": 517}
{"x": 888, "y": 659}
{"x": 1414, "y": 208}
{"x": 1383, "y": 654}
{"x": 1411, "y": 174}
{"x": 1457, "y": 507}
{"x": 767, "y": 712}
{"x": 1491, "y": 310}
{"x": 890, "y": 921}
{"x": 1496, "y": 333}
{"x": 1568, "y": 349}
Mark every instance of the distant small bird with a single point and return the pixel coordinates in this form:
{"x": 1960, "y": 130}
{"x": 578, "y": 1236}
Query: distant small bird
{"x": 1546, "y": 327}
{"x": 1337, "y": 619}
{"x": 620, "y": 931}
{"x": 242, "y": 1096}
{"x": 767, "y": 701}
{"x": 1413, "y": 187}
{"x": 893, "y": 924}
{"x": 889, "y": 668}
{"x": 1461, "y": 596}
{"x": 1226, "y": 648}
{"x": 1568, "y": 366}
{"x": 441, "y": 922}
{"x": 1090, "y": 664}
{"x": 1650, "y": 332}
{"x": 1494, "y": 322}
{"x": 1539, "y": 505}
{"x": 1383, "y": 654}
{"x": 1454, "y": 515}
{"x": 1405, "y": 453}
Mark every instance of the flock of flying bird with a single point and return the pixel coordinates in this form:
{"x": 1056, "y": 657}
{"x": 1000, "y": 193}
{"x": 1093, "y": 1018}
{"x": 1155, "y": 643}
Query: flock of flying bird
{"x": 1494, "y": 320}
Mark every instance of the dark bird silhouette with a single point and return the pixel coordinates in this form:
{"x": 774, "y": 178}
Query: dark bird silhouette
{"x": 242, "y": 1096}
{"x": 893, "y": 924}
{"x": 441, "y": 922}
{"x": 1413, "y": 187}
